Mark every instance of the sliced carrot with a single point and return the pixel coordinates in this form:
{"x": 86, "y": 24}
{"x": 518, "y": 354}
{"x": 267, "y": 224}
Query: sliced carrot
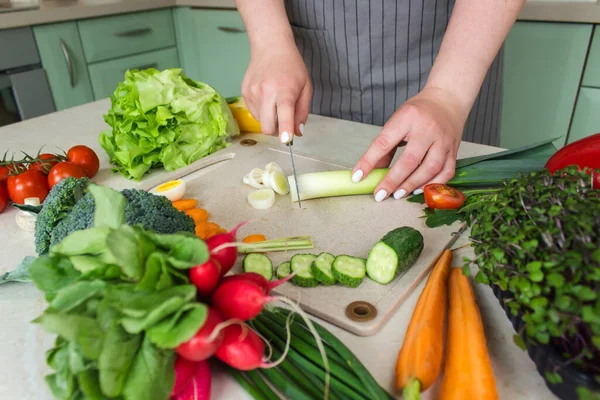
{"x": 202, "y": 230}
{"x": 257, "y": 237}
{"x": 212, "y": 229}
{"x": 198, "y": 214}
{"x": 185, "y": 204}
{"x": 468, "y": 372}
{"x": 420, "y": 358}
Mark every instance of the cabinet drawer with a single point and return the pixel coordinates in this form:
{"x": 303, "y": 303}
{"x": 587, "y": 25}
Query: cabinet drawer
{"x": 106, "y": 76}
{"x": 586, "y": 120}
{"x": 123, "y": 35}
{"x": 592, "y": 69}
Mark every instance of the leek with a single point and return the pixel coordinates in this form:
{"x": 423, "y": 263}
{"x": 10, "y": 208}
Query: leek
{"x": 283, "y": 244}
{"x": 333, "y": 183}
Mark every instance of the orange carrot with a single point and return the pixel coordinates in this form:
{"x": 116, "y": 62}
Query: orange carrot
{"x": 202, "y": 230}
{"x": 420, "y": 358}
{"x": 257, "y": 237}
{"x": 468, "y": 372}
{"x": 185, "y": 204}
{"x": 198, "y": 214}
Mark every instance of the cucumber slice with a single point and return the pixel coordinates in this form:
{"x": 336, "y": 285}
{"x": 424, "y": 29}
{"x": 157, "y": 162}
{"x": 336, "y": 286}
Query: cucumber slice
{"x": 321, "y": 269}
{"x": 382, "y": 263}
{"x": 301, "y": 264}
{"x": 283, "y": 270}
{"x": 259, "y": 263}
{"x": 349, "y": 271}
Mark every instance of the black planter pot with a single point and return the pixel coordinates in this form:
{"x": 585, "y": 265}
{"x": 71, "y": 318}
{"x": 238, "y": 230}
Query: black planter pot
{"x": 546, "y": 358}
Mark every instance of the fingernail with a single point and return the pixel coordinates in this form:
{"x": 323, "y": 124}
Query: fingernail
{"x": 301, "y": 127}
{"x": 418, "y": 191}
{"x": 380, "y": 195}
{"x": 285, "y": 137}
{"x": 399, "y": 194}
{"x": 357, "y": 176}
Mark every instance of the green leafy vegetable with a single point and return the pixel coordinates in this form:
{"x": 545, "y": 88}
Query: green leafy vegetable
{"x": 19, "y": 274}
{"x": 163, "y": 118}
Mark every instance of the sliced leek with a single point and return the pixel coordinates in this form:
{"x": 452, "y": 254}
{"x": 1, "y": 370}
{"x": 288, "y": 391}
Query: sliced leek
{"x": 262, "y": 199}
{"x": 333, "y": 183}
{"x": 278, "y": 182}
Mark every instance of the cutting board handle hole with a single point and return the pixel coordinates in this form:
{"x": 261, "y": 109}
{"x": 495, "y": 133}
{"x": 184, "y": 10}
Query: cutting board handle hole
{"x": 248, "y": 142}
{"x": 361, "y": 311}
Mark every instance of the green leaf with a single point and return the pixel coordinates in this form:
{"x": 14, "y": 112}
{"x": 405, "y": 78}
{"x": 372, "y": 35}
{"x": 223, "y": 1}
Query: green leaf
{"x": 128, "y": 251}
{"x": 188, "y": 252}
{"x": 109, "y": 206}
{"x": 596, "y": 341}
{"x": 553, "y": 377}
{"x": 133, "y": 302}
{"x": 156, "y": 275}
{"x": 589, "y": 315}
{"x": 584, "y": 293}
{"x": 73, "y": 295}
{"x": 86, "y": 241}
{"x": 19, "y": 274}
{"x": 443, "y": 217}
{"x": 534, "y": 266}
{"x": 481, "y": 277}
{"x": 62, "y": 384}
{"x": 51, "y": 274}
{"x": 518, "y": 340}
{"x": 163, "y": 310}
{"x": 152, "y": 375}
{"x": 84, "y": 331}
{"x": 536, "y": 276}
{"x": 181, "y": 327}
{"x": 466, "y": 270}
{"x": 498, "y": 254}
{"x": 89, "y": 385}
{"x": 115, "y": 361}
{"x": 555, "y": 279}
{"x": 77, "y": 362}
{"x": 87, "y": 264}
{"x": 418, "y": 198}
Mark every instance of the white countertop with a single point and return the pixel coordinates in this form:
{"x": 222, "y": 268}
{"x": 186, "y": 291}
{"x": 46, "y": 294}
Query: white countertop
{"x": 584, "y": 11}
{"x": 22, "y": 344}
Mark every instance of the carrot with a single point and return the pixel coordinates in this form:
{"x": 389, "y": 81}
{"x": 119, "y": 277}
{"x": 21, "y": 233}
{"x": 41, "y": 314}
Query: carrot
{"x": 198, "y": 214}
{"x": 468, "y": 372}
{"x": 185, "y": 204}
{"x": 203, "y": 230}
{"x": 257, "y": 237}
{"x": 420, "y": 358}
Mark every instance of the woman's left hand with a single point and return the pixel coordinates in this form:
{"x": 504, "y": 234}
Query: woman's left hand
{"x": 432, "y": 125}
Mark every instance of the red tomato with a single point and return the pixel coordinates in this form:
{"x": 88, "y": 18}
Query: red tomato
{"x": 8, "y": 170}
{"x": 85, "y": 158}
{"x": 45, "y": 166}
{"x": 31, "y": 183}
{"x": 3, "y": 197}
{"x": 64, "y": 170}
{"x": 443, "y": 197}
{"x": 4, "y": 173}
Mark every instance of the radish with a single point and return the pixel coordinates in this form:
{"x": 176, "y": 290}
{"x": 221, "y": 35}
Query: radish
{"x": 260, "y": 280}
{"x": 206, "y": 277}
{"x": 184, "y": 371}
{"x": 223, "y": 248}
{"x": 205, "y": 342}
{"x": 199, "y": 386}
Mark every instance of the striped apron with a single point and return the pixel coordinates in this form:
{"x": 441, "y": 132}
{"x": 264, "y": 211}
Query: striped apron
{"x": 366, "y": 57}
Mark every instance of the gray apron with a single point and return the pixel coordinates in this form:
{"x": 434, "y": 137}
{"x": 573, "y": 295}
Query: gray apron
{"x": 365, "y": 58}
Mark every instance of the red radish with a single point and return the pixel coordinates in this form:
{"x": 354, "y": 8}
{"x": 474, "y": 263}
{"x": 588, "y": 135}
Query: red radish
{"x": 184, "y": 371}
{"x": 199, "y": 386}
{"x": 223, "y": 248}
{"x": 260, "y": 280}
{"x": 206, "y": 277}
{"x": 205, "y": 342}
{"x": 242, "y": 349}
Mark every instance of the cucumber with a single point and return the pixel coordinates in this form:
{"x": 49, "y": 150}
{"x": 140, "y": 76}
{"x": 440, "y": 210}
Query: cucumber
{"x": 259, "y": 263}
{"x": 394, "y": 254}
{"x": 283, "y": 270}
{"x": 349, "y": 271}
{"x": 301, "y": 264}
{"x": 321, "y": 269}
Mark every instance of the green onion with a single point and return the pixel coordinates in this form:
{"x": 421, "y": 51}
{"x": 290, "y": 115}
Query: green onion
{"x": 284, "y": 244}
{"x": 255, "y": 378}
{"x": 249, "y": 385}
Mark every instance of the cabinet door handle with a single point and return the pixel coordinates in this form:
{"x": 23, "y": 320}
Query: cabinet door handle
{"x": 231, "y": 29}
{"x": 67, "y": 55}
{"x": 142, "y": 67}
{"x": 133, "y": 32}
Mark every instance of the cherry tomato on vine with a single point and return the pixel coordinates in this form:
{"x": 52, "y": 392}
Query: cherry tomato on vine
{"x": 64, "y": 170}
{"x": 31, "y": 183}
{"x": 45, "y": 165}
{"x": 86, "y": 158}
{"x": 3, "y": 197}
{"x": 443, "y": 197}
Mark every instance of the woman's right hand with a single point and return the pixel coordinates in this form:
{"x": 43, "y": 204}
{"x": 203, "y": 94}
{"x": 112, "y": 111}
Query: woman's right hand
{"x": 277, "y": 88}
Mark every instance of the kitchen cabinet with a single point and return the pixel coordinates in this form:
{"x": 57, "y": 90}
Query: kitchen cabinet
{"x": 543, "y": 67}
{"x": 586, "y": 119}
{"x": 62, "y": 57}
{"x": 105, "y": 76}
{"x": 213, "y": 47}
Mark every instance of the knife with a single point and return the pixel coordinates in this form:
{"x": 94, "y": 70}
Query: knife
{"x": 289, "y": 145}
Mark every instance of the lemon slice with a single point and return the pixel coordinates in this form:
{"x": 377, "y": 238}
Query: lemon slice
{"x": 262, "y": 199}
{"x": 278, "y": 182}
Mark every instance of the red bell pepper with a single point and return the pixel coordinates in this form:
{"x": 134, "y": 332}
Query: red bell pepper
{"x": 582, "y": 153}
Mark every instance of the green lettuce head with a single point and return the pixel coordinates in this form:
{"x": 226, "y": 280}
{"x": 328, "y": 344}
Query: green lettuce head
{"x": 163, "y": 118}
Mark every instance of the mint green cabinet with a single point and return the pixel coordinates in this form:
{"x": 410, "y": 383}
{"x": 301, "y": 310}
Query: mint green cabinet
{"x": 591, "y": 77}
{"x": 62, "y": 58}
{"x": 543, "y": 67}
{"x": 213, "y": 47}
{"x": 586, "y": 120}
{"x": 105, "y": 76}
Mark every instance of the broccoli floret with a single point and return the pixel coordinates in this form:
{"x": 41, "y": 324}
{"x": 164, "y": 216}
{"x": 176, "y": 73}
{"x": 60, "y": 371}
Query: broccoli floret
{"x": 57, "y": 206}
{"x": 154, "y": 213}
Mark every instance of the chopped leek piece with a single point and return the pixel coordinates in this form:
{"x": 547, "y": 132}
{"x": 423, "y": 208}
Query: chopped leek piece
{"x": 262, "y": 199}
{"x": 333, "y": 183}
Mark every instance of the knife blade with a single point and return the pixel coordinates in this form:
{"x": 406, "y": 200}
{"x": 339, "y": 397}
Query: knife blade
{"x": 289, "y": 145}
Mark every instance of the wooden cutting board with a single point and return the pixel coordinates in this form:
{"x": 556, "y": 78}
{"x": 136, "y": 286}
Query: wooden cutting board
{"x": 341, "y": 225}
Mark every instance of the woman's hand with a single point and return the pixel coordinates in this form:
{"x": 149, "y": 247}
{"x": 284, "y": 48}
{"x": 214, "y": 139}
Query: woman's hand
{"x": 432, "y": 125}
{"x": 277, "y": 88}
